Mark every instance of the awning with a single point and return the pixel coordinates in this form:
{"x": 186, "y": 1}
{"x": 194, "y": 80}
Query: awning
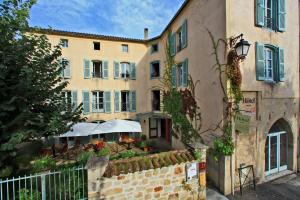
{"x": 118, "y": 126}
{"x": 112, "y": 126}
{"x": 80, "y": 129}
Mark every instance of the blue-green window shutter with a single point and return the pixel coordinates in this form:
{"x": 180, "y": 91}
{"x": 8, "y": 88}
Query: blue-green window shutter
{"x": 132, "y": 100}
{"x": 260, "y": 13}
{"x": 281, "y": 64}
{"x": 107, "y": 102}
{"x": 116, "y": 70}
{"x": 172, "y": 44}
{"x": 260, "y": 62}
{"x": 184, "y": 78}
{"x": 74, "y": 99}
{"x": 117, "y": 101}
{"x": 184, "y": 34}
{"x": 132, "y": 71}
{"x": 86, "y": 102}
{"x": 281, "y": 15}
{"x": 105, "y": 70}
{"x": 86, "y": 68}
{"x": 174, "y": 76}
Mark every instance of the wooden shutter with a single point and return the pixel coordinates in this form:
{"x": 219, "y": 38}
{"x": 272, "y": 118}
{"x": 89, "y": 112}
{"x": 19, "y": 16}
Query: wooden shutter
{"x": 86, "y": 68}
{"x": 132, "y": 100}
{"x": 107, "y": 102}
{"x": 174, "y": 76}
{"x": 86, "y": 102}
{"x": 184, "y": 75}
{"x": 260, "y": 62}
{"x": 116, "y": 70}
{"x": 105, "y": 69}
{"x": 260, "y": 13}
{"x": 117, "y": 101}
{"x": 281, "y": 15}
{"x": 184, "y": 34}
{"x": 74, "y": 99}
{"x": 172, "y": 44}
{"x": 132, "y": 71}
{"x": 281, "y": 64}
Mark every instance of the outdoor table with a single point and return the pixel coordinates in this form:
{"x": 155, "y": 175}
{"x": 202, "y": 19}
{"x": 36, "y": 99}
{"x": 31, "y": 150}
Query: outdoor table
{"x": 128, "y": 141}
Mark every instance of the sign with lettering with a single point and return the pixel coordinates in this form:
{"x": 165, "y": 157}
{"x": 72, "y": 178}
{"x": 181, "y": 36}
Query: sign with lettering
{"x": 191, "y": 171}
{"x": 242, "y": 123}
{"x": 248, "y": 104}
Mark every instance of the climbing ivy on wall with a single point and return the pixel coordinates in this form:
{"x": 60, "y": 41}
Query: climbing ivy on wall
{"x": 180, "y": 104}
{"x": 232, "y": 96}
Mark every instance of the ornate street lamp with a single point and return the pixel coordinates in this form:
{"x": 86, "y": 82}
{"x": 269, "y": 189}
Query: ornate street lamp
{"x": 242, "y": 47}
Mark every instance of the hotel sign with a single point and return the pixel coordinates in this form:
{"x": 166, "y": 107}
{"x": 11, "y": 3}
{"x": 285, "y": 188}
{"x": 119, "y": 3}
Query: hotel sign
{"x": 248, "y": 104}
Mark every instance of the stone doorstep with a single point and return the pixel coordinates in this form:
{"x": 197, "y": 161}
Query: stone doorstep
{"x": 273, "y": 177}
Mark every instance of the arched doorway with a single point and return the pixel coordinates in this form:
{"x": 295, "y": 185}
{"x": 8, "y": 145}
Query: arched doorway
{"x": 279, "y": 148}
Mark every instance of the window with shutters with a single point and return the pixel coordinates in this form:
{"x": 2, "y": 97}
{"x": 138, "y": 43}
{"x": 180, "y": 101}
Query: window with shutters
{"x": 271, "y": 14}
{"x": 156, "y": 100}
{"x": 64, "y": 43}
{"x": 125, "y": 70}
{"x": 97, "y": 46}
{"x": 97, "y": 69}
{"x": 269, "y": 63}
{"x": 155, "y": 69}
{"x": 125, "y": 48}
{"x": 97, "y": 101}
{"x": 125, "y": 103}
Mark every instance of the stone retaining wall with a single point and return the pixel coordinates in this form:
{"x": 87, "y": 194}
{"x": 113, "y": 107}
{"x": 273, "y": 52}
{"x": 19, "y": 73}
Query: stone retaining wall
{"x": 159, "y": 183}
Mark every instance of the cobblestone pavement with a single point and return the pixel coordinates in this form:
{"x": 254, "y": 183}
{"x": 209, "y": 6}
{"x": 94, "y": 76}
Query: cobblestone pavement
{"x": 285, "y": 188}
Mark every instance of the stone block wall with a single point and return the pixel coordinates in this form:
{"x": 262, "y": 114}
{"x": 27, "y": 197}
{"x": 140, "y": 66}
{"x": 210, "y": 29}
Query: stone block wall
{"x": 167, "y": 182}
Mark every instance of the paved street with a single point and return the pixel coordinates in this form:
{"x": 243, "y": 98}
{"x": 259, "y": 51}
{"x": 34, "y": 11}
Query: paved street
{"x": 287, "y": 187}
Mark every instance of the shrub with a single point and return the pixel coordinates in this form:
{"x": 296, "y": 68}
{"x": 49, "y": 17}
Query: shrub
{"x": 83, "y": 157}
{"x": 144, "y": 137}
{"x": 25, "y": 194}
{"x": 150, "y": 143}
{"x": 44, "y": 163}
{"x": 103, "y": 152}
{"x": 127, "y": 154}
{"x": 142, "y": 144}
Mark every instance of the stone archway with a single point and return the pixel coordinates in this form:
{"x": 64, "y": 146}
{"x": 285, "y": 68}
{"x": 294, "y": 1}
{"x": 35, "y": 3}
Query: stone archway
{"x": 279, "y": 148}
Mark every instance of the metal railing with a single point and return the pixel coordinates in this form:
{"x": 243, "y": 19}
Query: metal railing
{"x": 66, "y": 184}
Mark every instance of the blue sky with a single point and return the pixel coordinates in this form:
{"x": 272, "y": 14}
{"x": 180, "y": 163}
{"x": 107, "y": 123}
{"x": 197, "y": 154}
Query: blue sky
{"x": 125, "y": 18}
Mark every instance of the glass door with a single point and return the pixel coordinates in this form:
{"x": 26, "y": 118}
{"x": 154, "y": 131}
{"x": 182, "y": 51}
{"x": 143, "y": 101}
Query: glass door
{"x": 276, "y": 153}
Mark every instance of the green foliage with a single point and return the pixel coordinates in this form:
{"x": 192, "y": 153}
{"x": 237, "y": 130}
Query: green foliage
{"x": 224, "y": 145}
{"x": 103, "y": 152}
{"x": 31, "y": 106}
{"x": 198, "y": 154}
{"x": 83, "y": 157}
{"x": 127, "y": 154}
{"x": 44, "y": 163}
{"x": 25, "y": 194}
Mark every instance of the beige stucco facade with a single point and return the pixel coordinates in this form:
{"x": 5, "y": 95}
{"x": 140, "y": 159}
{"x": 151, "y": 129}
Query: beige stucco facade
{"x": 224, "y": 19}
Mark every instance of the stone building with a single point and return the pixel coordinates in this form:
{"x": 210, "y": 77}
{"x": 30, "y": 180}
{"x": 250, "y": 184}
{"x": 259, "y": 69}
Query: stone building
{"x": 121, "y": 77}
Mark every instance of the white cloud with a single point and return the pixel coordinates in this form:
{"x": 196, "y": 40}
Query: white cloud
{"x": 126, "y": 18}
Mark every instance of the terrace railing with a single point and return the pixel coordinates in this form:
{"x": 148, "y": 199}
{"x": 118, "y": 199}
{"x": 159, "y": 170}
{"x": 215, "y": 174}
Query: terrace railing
{"x": 67, "y": 184}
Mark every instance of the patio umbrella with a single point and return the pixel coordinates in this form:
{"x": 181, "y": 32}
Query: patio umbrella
{"x": 118, "y": 126}
{"x": 80, "y": 129}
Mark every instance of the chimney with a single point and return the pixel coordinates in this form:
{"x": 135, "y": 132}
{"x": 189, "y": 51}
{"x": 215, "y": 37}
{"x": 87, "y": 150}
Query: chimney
{"x": 145, "y": 33}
